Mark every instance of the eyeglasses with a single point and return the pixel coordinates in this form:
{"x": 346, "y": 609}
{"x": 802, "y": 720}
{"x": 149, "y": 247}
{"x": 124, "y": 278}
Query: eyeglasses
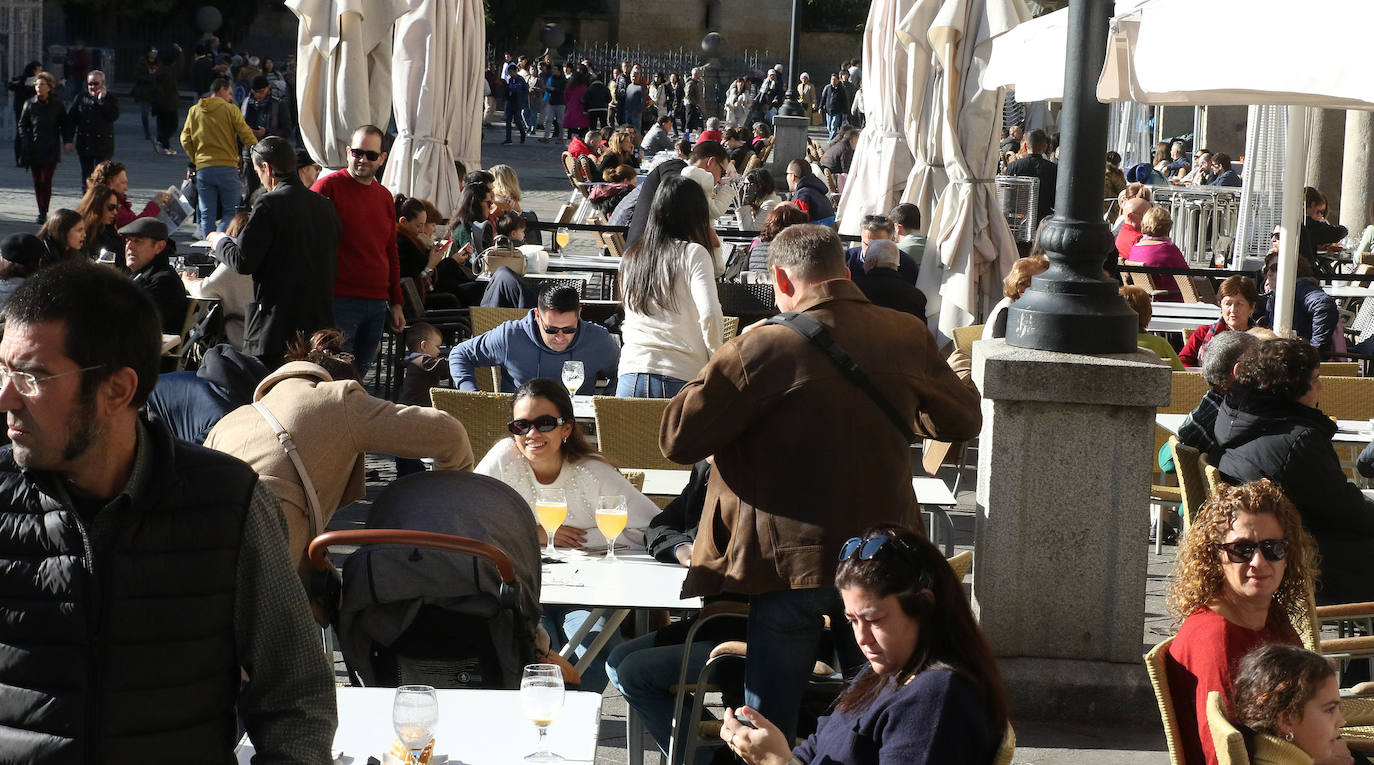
{"x": 1274, "y": 236}
{"x": 27, "y": 384}
{"x": 372, "y": 156}
{"x": 112, "y": 207}
{"x": 1243, "y": 550}
{"x": 558, "y": 330}
{"x": 544, "y": 423}
{"x": 867, "y": 548}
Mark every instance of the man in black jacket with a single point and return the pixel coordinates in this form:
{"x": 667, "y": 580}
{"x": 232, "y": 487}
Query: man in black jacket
{"x": 289, "y": 246}
{"x": 1035, "y": 165}
{"x": 90, "y": 125}
{"x": 810, "y": 193}
{"x": 707, "y": 155}
{"x": 882, "y": 285}
{"x": 147, "y": 253}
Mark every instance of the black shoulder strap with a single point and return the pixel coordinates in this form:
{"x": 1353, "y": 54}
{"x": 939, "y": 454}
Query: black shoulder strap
{"x": 808, "y": 327}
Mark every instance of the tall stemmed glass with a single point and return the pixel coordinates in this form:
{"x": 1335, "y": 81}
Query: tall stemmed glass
{"x": 414, "y": 714}
{"x": 573, "y": 375}
{"x": 551, "y": 508}
{"x": 541, "y": 695}
{"x": 611, "y": 518}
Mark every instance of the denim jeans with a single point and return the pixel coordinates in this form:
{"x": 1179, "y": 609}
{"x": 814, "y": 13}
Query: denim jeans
{"x": 145, "y": 113}
{"x": 361, "y": 321}
{"x": 218, "y": 192}
{"x": 833, "y": 123}
{"x": 531, "y": 118}
{"x": 644, "y": 385}
{"x": 783, "y": 635}
{"x": 553, "y": 119}
{"x": 643, "y": 673}
{"x": 562, "y": 622}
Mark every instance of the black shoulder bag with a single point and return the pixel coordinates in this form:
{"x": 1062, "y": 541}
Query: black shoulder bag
{"x": 811, "y": 329}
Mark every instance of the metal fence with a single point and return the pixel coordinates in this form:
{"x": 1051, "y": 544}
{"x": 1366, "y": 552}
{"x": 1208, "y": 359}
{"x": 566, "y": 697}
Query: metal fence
{"x": 604, "y": 57}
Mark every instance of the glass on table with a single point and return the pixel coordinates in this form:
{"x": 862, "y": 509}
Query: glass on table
{"x": 562, "y": 236}
{"x": 611, "y": 519}
{"x": 551, "y": 508}
{"x": 414, "y": 715}
{"x": 573, "y": 375}
{"x": 541, "y": 696}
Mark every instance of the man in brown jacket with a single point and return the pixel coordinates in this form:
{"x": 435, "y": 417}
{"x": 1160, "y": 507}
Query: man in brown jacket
{"x": 804, "y": 458}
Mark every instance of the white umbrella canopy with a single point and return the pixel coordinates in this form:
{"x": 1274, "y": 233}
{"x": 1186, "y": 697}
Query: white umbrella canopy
{"x": 882, "y": 157}
{"x": 969, "y": 247}
{"x": 1030, "y": 58}
{"x": 927, "y": 179}
{"x": 437, "y": 96}
{"x": 343, "y": 71}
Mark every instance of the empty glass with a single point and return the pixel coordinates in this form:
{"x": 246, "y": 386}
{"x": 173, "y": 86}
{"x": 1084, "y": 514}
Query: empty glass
{"x": 573, "y": 375}
{"x": 541, "y": 696}
{"x": 414, "y": 714}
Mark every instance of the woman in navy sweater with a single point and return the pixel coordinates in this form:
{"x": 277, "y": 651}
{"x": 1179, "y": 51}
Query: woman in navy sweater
{"x": 931, "y": 692}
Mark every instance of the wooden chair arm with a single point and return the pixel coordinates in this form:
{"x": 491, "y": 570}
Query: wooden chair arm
{"x": 1346, "y": 611}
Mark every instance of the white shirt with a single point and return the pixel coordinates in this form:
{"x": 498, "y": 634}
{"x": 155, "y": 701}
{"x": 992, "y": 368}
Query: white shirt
{"x": 677, "y": 344}
{"x": 583, "y": 483}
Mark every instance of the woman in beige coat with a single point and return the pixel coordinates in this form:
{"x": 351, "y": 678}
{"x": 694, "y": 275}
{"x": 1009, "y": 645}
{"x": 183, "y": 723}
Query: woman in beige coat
{"x": 806, "y": 93}
{"x": 333, "y": 422}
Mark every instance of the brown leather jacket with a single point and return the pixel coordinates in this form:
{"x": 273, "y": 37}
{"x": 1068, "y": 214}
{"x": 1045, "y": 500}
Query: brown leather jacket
{"x": 804, "y": 459}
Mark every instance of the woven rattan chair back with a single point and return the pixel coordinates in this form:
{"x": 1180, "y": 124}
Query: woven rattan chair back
{"x": 1159, "y": 681}
{"x": 731, "y": 328}
{"x": 1340, "y": 368}
{"x": 1227, "y": 740}
{"x": 1190, "y": 480}
{"x": 1348, "y": 398}
{"x": 627, "y": 429}
{"x": 484, "y": 415}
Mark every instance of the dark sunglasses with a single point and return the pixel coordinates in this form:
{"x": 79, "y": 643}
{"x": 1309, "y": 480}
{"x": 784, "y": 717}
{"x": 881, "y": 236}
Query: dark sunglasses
{"x": 559, "y": 330}
{"x": 544, "y": 423}
{"x": 372, "y": 156}
{"x": 1274, "y": 236}
{"x": 112, "y": 207}
{"x": 1243, "y": 551}
{"x": 867, "y": 548}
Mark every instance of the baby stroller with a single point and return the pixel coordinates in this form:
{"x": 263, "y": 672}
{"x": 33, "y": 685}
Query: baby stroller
{"x": 443, "y": 589}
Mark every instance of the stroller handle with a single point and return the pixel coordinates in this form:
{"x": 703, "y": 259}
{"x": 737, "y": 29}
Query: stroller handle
{"x": 320, "y": 545}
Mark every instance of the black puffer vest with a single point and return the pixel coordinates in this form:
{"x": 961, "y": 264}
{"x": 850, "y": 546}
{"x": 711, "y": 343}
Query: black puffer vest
{"x": 117, "y": 637}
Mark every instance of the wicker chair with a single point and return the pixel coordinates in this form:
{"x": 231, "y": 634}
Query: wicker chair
{"x": 1191, "y": 482}
{"x": 731, "y": 328}
{"x": 627, "y": 429}
{"x": 965, "y": 337}
{"x": 1210, "y": 474}
{"x": 1007, "y": 749}
{"x": 1143, "y": 281}
{"x": 1227, "y": 740}
{"x": 636, "y": 479}
{"x": 1348, "y": 398}
{"x": 485, "y": 320}
{"x": 1159, "y": 680}
{"x": 484, "y": 415}
{"x": 1186, "y": 389}
{"x": 1340, "y": 368}
{"x": 1202, "y": 287}
{"x": 962, "y": 564}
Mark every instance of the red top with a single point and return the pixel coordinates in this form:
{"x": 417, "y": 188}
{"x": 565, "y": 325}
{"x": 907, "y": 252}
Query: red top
{"x": 711, "y": 135}
{"x": 1191, "y": 355}
{"x": 368, "y": 266}
{"x": 1126, "y": 238}
{"x": 579, "y": 149}
{"x": 1204, "y": 657}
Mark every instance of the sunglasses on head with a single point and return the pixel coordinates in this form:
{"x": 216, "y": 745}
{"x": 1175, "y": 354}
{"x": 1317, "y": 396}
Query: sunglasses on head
{"x": 867, "y": 548}
{"x": 544, "y": 423}
{"x": 558, "y": 330}
{"x": 1243, "y": 551}
{"x": 372, "y": 156}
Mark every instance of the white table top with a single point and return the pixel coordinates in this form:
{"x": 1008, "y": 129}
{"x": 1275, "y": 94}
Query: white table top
{"x": 1176, "y": 323}
{"x": 929, "y": 491}
{"x": 582, "y": 408}
{"x": 475, "y": 727}
{"x": 1347, "y": 431}
{"x": 580, "y": 262}
{"x": 1348, "y": 291}
{"x": 1189, "y": 310}
{"x": 634, "y": 580}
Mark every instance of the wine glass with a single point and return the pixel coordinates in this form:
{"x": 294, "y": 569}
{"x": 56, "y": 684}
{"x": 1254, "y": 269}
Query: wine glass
{"x": 573, "y": 375}
{"x": 611, "y": 518}
{"x": 562, "y": 236}
{"x": 541, "y": 696}
{"x": 551, "y": 508}
{"x": 414, "y": 714}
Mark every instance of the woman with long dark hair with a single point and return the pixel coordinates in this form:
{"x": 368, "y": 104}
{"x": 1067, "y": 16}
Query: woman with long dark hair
{"x": 98, "y": 208}
{"x": 673, "y": 322}
{"x": 931, "y": 692}
{"x": 41, "y": 126}
{"x": 63, "y": 235}
{"x": 412, "y": 249}
{"x": 477, "y": 204}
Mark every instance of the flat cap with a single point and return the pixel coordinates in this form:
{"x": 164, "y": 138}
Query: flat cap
{"x": 151, "y": 228}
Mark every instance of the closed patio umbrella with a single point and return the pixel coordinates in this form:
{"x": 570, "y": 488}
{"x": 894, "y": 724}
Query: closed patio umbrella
{"x": 437, "y": 98}
{"x": 882, "y": 158}
{"x": 927, "y": 178}
{"x": 343, "y": 71}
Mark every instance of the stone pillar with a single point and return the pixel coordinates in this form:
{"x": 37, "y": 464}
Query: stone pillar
{"x": 789, "y": 143}
{"x": 1324, "y": 162}
{"x": 1357, "y": 183}
{"x": 1063, "y": 497}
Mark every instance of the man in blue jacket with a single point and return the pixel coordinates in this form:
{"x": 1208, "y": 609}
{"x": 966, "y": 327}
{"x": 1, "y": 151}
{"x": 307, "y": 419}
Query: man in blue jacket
{"x": 537, "y": 346}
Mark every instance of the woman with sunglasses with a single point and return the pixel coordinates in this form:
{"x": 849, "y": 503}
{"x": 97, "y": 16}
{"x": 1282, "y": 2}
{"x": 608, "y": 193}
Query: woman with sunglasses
{"x": 673, "y": 322}
{"x": 548, "y": 450}
{"x": 98, "y": 208}
{"x": 1241, "y": 578}
{"x": 931, "y": 692}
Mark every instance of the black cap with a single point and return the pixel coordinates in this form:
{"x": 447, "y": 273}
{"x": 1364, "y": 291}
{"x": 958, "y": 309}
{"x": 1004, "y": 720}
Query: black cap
{"x": 151, "y": 228}
{"x": 303, "y": 158}
{"x": 24, "y": 249}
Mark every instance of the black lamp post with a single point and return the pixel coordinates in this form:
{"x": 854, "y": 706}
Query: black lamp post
{"x": 791, "y": 106}
{"x": 1072, "y": 307}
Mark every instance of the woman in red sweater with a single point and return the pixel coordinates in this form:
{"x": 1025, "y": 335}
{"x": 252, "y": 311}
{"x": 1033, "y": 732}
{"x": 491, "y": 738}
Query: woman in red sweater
{"x": 1242, "y": 576}
{"x": 1238, "y": 300}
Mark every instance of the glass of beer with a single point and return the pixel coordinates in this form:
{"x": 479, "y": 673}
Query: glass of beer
{"x": 541, "y": 696}
{"x": 611, "y": 518}
{"x": 551, "y": 508}
{"x": 562, "y": 236}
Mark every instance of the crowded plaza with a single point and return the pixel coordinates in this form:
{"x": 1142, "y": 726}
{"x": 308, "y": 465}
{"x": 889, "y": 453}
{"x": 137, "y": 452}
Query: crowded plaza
{"x": 982, "y": 386}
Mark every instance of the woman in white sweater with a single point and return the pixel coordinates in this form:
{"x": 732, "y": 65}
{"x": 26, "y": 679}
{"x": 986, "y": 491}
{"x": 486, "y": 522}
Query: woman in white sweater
{"x": 547, "y": 449}
{"x": 673, "y": 321}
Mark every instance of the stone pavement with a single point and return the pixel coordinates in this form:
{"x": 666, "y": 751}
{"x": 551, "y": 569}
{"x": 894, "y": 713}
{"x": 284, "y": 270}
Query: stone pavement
{"x": 545, "y": 189}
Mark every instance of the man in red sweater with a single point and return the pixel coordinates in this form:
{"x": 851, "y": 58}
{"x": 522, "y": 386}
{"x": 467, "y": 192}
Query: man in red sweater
{"x": 1134, "y": 211}
{"x": 369, "y": 271}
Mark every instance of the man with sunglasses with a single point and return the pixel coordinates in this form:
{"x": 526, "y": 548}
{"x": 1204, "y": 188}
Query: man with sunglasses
{"x": 134, "y": 567}
{"x": 805, "y": 458}
{"x": 367, "y": 287}
{"x": 537, "y": 346}
{"x": 90, "y": 125}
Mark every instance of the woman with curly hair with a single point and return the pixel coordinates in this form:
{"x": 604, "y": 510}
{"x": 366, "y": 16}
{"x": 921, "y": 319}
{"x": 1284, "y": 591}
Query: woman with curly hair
{"x": 1287, "y": 698}
{"x": 1242, "y": 577}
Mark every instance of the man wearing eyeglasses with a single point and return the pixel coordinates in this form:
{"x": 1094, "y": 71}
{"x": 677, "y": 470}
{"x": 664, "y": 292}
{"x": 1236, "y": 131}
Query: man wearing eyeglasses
{"x": 367, "y": 288}
{"x": 149, "y": 594}
{"x": 90, "y": 127}
{"x": 537, "y": 346}
{"x": 212, "y": 134}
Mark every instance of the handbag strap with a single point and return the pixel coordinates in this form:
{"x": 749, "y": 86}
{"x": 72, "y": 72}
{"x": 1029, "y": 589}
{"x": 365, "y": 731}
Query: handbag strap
{"x": 289, "y": 446}
{"x": 808, "y": 327}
